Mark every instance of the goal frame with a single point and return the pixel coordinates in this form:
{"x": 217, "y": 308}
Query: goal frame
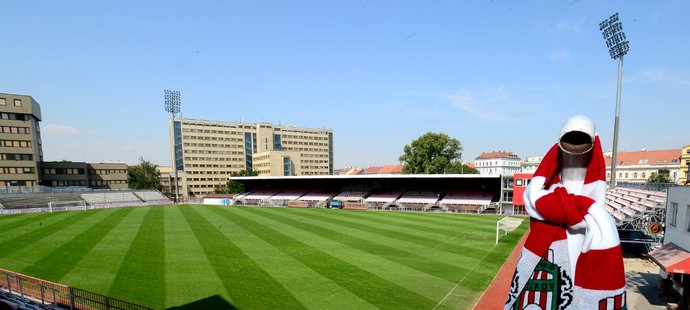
{"x": 507, "y": 224}
{"x": 75, "y": 204}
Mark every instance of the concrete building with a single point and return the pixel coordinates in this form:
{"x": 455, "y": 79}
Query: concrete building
{"x": 21, "y": 153}
{"x": 673, "y": 257}
{"x": 636, "y": 167}
{"x": 207, "y": 152}
{"x": 501, "y": 162}
{"x": 92, "y": 175}
{"x": 20, "y": 140}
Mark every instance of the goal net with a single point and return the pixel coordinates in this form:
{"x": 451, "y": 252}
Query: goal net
{"x": 66, "y": 205}
{"x": 506, "y": 224}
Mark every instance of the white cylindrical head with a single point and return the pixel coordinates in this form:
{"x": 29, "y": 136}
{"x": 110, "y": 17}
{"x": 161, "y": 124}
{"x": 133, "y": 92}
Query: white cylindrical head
{"x": 577, "y": 135}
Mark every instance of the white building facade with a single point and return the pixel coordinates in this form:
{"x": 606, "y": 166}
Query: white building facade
{"x": 500, "y": 162}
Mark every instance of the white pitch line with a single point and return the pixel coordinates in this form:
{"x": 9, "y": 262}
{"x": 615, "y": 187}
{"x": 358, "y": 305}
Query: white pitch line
{"x": 463, "y": 278}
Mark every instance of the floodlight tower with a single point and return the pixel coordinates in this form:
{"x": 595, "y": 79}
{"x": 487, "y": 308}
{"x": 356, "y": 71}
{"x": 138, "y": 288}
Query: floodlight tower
{"x": 612, "y": 30}
{"x": 172, "y": 106}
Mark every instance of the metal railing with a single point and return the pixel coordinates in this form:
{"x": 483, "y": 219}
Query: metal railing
{"x": 60, "y": 295}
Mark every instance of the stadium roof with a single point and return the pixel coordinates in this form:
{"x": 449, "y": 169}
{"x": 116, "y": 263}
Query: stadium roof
{"x": 371, "y": 176}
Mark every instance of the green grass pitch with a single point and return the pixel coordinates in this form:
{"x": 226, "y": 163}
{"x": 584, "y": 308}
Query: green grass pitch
{"x": 262, "y": 258}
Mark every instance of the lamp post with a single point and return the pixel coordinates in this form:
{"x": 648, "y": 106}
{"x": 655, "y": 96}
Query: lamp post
{"x": 172, "y": 106}
{"x": 612, "y": 30}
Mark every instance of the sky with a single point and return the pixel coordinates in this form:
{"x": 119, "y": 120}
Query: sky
{"x": 496, "y": 75}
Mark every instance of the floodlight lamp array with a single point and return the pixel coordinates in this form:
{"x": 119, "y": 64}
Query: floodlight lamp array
{"x": 612, "y": 30}
{"x": 172, "y": 101}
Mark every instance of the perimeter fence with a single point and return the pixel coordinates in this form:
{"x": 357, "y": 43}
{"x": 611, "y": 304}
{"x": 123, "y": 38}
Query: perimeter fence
{"x": 60, "y": 295}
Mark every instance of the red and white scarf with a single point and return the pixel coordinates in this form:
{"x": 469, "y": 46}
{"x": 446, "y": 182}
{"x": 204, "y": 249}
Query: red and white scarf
{"x": 572, "y": 257}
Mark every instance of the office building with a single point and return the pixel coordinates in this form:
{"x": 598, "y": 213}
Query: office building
{"x": 20, "y": 140}
{"x": 206, "y": 152}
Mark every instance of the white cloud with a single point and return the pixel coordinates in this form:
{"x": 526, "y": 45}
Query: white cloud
{"x": 569, "y": 25}
{"x": 59, "y": 130}
{"x": 560, "y": 55}
{"x": 656, "y": 75}
{"x": 490, "y": 108}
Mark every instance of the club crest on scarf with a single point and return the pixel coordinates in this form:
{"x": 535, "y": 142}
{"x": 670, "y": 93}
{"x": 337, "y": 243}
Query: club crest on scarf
{"x": 549, "y": 287}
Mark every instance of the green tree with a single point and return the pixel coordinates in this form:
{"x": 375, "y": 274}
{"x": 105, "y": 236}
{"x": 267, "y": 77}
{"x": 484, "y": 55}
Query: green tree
{"x": 431, "y": 153}
{"x": 232, "y": 186}
{"x": 656, "y": 177}
{"x": 144, "y": 176}
{"x": 458, "y": 167}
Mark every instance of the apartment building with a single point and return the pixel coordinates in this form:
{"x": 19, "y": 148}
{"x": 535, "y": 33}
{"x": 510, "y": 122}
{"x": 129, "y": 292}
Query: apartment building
{"x": 20, "y": 140}
{"x": 207, "y": 152}
{"x": 684, "y": 166}
{"x": 497, "y": 162}
{"x": 636, "y": 167}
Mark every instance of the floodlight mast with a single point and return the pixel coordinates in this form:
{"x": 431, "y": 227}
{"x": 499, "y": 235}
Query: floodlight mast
{"x": 172, "y": 106}
{"x": 612, "y": 30}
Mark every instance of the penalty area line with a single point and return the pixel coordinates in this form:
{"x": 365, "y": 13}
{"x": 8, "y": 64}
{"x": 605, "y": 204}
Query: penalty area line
{"x": 463, "y": 278}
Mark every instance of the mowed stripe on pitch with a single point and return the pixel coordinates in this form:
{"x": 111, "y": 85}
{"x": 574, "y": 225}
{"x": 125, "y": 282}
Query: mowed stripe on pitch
{"x": 308, "y": 286}
{"x": 97, "y": 270}
{"x": 186, "y": 263}
{"x": 21, "y": 251}
{"x": 141, "y": 275}
{"x": 9, "y": 222}
{"x": 61, "y": 260}
{"x": 473, "y": 227}
{"x": 410, "y": 243}
{"x": 453, "y": 242}
{"x": 361, "y": 241}
{"x": 240, "y": 275}
{"x": 381, "y": 282}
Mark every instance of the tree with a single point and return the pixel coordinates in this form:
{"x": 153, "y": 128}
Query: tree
{"x": 232, "y": 186}
{"x": 431, "y": 153}
{"x": 144, "y": 176}
{"x": 458, "y": 167}
{"x": 656, "y": 177}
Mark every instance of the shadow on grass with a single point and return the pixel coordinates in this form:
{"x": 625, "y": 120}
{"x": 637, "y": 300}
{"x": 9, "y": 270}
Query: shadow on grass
{"x": 211, "y": 302}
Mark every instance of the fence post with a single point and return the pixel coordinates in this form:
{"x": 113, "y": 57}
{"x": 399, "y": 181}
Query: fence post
{"x": 71, "y": 298}
{"x": 42, "y": 292}
{"x": 21, "y": 286}
{"x": 9, "y": 282}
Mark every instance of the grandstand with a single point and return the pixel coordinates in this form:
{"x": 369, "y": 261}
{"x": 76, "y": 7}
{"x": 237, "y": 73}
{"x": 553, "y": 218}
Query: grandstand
{"x": 635, "y": 212}
{"x": 317, "y": 199}
{"x": 418, "y": 201}
{"x": 383, "y": 200}
{"x": 61, "y": 199}
{"x": 460, "y": 193}
{"x": 354, "y": 196}
{"x": 628, "y": 205}
{"x": 466, "y": 201}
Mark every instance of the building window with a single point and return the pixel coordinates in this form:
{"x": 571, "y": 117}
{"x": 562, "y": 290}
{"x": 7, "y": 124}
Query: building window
{"x": 673, "y": 213}
{"x": 3, "y": 101}
{"x": 687, "y": 214}
{"x": 626, "y": 175}
{"x": 644, "y": 175}
{"x": 635, "y": 175}
{"x": 17, "y": 102}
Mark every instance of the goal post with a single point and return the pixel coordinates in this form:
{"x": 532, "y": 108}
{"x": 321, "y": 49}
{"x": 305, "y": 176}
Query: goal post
{"x": 506, "y": 224}
{"x": 66, "y": 205}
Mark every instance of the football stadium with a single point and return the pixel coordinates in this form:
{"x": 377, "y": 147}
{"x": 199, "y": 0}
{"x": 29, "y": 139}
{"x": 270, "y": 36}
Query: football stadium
{"x": 289, "y": 250}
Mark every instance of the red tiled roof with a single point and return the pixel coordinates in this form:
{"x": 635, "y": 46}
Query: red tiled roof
{"x": 660, "y": 157}
{"x": 392, "y": 169}
{"x": 499, "y": 154}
